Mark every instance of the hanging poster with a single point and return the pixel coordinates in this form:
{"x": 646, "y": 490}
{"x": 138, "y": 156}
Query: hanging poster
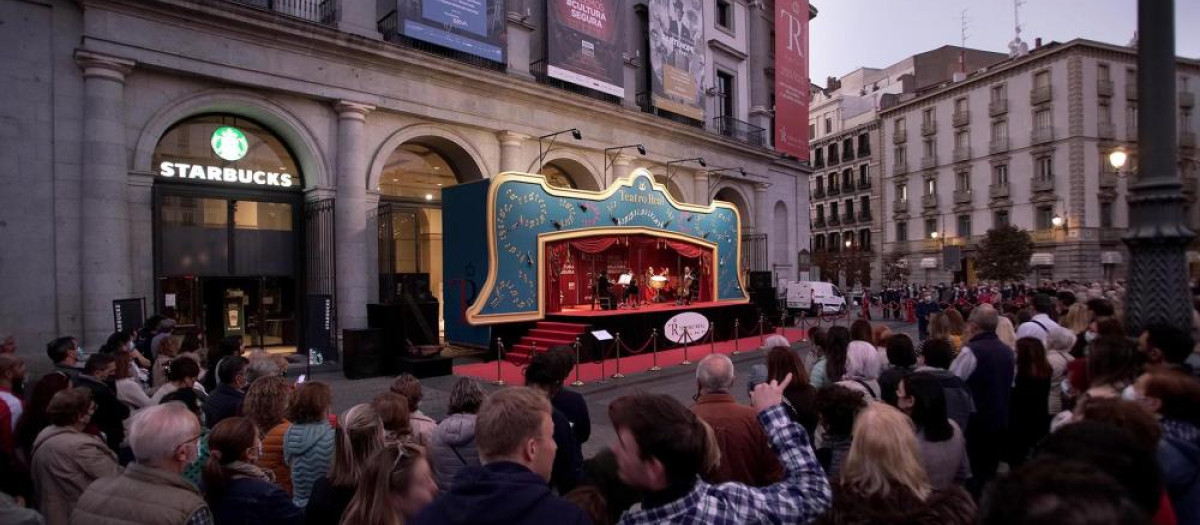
{"x": 472, "y": 26}
{"x": 677, "y": 56}
{"x": 791, "y": 78}
{"x": 586, "y": 43}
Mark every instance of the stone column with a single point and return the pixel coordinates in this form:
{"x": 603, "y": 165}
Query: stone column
{"x": 520, "y": 42}
{"x": 511, "y": 144}
{"x": 358, "y": 17}
{"x": 104, "y": 211}
{"x": 761, "y": 213}
{"x": 700, "y": 193}
{"x": 759, "y": 39}
{"x": 632, "y": 66}
{"x": 621, "y": 167}
{"x": 350, "y": 216}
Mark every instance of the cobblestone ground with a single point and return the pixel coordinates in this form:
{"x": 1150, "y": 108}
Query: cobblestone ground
{"x": 677, "y": 381}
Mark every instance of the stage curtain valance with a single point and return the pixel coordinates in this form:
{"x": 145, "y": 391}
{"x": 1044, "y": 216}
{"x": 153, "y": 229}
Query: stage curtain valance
{"x": 687, "y": 250}
{"x": 594, "y": 245}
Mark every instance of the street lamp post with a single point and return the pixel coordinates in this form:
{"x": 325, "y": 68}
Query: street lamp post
{"x": 1158, "y": 235}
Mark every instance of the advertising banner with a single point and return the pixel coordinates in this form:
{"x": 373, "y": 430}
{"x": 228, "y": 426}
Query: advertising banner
{"x": 471, "y": 26}
{"x": 586, "y": 40}
{"x": 791, "y": 78}
{"x": 677, "y": 56}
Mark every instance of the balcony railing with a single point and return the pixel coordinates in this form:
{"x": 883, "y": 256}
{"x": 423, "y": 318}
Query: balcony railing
{"x": 929, "y": 201}
{"x": 998, "y": 107}
{"x": 319, "y": 11}
{"x": 899, "y": 168}
{"x": 834, "y": 190}
{"x": 900, "y": 137}
{"x": 929, "y": 162}
{"x": 819, "y": 222}
{"x": 998, "y": 191}
{"x": 962, "y": 118}
{"x": 848, "y": 218}
{"x": 1104, "y": 88}
{"x": 1131, "y": 92}
{"x": 962, "y": 153}
{"x": 1049, "y": 235}
{"x": 848, "y": 155}
{"x": 1108, "y": 180}
{"x": 834, "y": 159}
{"x": 1187, "y": 139}
{"x": 1041, "y": 135}
{"x": 834, "y": 220}
{"x": 999, "y": 145}
{"x": 962, "y": 196}
{"x": 1040, "y": 95}
{"x": 864, "y": 150}
{"x": 740, "y": 131}
{"x": 929, "y": 128}
{"x": 864, "y": 216}
{"x": 819, "y": 193}
{"x": 1040, "y": 184}
{"x": 1105, "y": 130}
{"x": 388, "y": 26}
{"x": 900, "y": 206}
{"x": 1187, "y": 99}
{"x": 819, "y": 162}
{"x": 864, "y": 184}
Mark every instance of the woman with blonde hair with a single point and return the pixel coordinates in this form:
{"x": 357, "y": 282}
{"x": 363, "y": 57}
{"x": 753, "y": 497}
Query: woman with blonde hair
{"x": 1006, "y": 333}
{"x": 396, "y": 484}
{"x": 266, "y": 405}
{"x": 359, "y": 436}
{"x": 958, "y": 325}
{"x": 882, "y": 480}
{"x": 1077, "y": 320}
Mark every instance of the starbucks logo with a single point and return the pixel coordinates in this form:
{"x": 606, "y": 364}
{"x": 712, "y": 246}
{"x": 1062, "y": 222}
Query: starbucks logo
{"x": 229, "y": 143}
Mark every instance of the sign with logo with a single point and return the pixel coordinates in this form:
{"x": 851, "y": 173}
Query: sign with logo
{"x": 475, "y": 27}
{"x": 791, "y": 77}
{"x": 677, "y": 56}
{"x": 585, "y": 43}
{"x": 687, "y": 326}
{"x": 229, "y": 144}
{"x": 128, "y": 314}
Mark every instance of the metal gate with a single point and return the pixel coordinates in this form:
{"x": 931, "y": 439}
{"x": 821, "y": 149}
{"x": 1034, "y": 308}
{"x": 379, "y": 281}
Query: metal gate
{"x": 320, "y": 271}
{"x": 754, "y": 252}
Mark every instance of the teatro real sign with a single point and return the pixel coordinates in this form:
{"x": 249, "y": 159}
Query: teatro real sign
{"x": 230, "y": 144}
{"x": 687, "y": 326}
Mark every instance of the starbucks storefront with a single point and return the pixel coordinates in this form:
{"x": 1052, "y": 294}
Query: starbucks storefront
{"x": 228, "y": 204}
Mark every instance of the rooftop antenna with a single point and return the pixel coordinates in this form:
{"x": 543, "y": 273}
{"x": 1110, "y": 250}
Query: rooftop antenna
{"x": 962, "y": 50}
{"x": 1017, "y": 48}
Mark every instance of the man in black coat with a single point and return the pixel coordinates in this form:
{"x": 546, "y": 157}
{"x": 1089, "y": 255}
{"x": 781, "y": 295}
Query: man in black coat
{"x": 110, "y": 413}
{"x": 226, "y": 400}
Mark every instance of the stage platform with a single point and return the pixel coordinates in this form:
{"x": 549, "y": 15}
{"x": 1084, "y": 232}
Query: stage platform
{"x": 593, "y": 371}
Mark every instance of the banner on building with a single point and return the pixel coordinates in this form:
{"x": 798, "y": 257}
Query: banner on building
{"x": 677, "y": 56}
{"x": 586, "y": 43}
{"x": 791, "y": 77}
{"x": 475, "y": 27}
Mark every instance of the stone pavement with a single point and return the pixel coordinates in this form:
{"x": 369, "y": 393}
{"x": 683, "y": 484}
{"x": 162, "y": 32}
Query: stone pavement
{"x": 677, "y": 381}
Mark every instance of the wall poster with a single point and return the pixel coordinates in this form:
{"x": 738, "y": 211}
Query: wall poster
{"x": 677, "y": 56}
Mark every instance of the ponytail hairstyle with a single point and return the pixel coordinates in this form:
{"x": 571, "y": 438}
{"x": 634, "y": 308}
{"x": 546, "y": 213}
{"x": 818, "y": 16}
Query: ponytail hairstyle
{"x": 388, "y": 471}
{"x": 227, "y": 443}
{"x": 359, "y": 435}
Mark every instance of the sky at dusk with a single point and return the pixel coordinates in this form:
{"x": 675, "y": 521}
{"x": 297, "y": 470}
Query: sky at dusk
{"x": 848, "y": 34}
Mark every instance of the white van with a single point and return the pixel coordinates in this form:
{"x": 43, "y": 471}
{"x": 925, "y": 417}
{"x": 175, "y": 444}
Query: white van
{"x": 815, "y": 297}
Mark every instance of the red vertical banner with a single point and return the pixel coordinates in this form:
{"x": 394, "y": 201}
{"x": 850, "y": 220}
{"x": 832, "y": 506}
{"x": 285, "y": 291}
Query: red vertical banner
{"x": 791, "y": 77}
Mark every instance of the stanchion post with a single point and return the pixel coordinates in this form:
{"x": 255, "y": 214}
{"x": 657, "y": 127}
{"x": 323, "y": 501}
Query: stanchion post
{"x": 617, "y": 341}
{"x": 577, "y": 382}
{"x": 499, "y": 357}
{"x": 654, "y": 350}
{"x": 686, "y": 361}
{"x": 762, "y": 327}
{"x": 603, "y": 374}
{"x": 737, "y": 343}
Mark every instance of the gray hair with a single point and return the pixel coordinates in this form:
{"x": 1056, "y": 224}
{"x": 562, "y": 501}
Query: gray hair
{"x": 985, "y": 317}
{"x": 715, "y": 373}
{"x": 155, "y": 432}
{"x": 1060, "y": 339}
{"x": 261, "y": 367}
{"x": 775, "y": 340}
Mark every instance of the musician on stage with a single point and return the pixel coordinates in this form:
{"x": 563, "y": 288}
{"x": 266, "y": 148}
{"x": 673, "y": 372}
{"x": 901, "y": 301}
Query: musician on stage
{"x": 633, "y": 294}
{"x": 686, "y": 285}
{"x": 603, "y": 290}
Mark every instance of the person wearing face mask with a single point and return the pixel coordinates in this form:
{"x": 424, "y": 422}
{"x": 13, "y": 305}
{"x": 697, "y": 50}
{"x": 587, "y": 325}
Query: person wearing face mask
{"x": 65, "y": 458}
{"x": 237, "y": 490}
{"x": 151, "y": 490}
{"x": 1173, "y": 397}
{"x": 226, "y": 400}
{"x": 64, "y": 353}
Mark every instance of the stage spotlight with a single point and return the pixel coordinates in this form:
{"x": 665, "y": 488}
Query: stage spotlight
{"x": 701, "y": 162}
{"x": 576, "y": 134}
{"x": 641, "y": 149}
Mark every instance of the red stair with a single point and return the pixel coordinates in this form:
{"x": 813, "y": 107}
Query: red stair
{"x": 541, "y": 337}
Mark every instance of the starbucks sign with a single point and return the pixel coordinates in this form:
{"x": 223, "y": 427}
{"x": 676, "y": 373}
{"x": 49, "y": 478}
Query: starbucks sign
{"x": 229, "y": 143}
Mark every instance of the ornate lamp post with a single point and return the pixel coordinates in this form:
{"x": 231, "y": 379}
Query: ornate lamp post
{"x": 1158, "y": 235}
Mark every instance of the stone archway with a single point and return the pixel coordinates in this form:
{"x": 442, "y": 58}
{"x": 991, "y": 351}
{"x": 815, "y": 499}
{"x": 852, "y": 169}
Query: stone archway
{"x": 579, "y": 169}
{"x": 731, "y": 194}
{"x": 462, "y": 155}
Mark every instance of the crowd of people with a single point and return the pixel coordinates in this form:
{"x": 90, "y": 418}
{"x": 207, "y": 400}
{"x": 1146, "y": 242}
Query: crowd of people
{"x": 1038, "y": 411}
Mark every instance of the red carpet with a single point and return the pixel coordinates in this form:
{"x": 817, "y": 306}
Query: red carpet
{"x": 591, "y": 372}
{"x": 543, "y": 336}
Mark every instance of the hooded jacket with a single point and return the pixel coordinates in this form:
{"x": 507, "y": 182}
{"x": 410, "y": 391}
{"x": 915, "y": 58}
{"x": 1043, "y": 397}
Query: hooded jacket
{"x": 453, "y": 449}
{"x": 501, "y": 493}
{"x": 1179, "y": 455}
{"x": 959, "y": 403}
{"x": 308, "y": 450}
{"x": 65, "y": 462}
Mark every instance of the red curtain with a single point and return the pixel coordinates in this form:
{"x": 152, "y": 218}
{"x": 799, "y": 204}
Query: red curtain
{"x": 566, "y": 286}
{"x": 593, "y": 245}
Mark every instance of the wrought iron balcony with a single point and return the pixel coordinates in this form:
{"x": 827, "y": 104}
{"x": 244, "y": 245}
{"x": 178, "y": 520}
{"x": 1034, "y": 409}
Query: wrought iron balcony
{"x": 962, "y": 118}
{"x": 864, "y": 215}
{"x": 319, "y": 11}
{"x": 929, "y": 128}
{"x": 1040, "y": 95}
{"x": 1105, "y": 130}
{"x": 819, "y": 193}
{"x": 848, "y": 218}
{"x": 900, "y": 206}
{"x": 929, "y": 201}
{"x": 1187, "y": 99}
{"x": 1040, "y": 184}
{"x": 998, "y": 191}
{"x": 1104, "y": 88}
{"x": 834, "y": 159}
{"x": 389, "y": 27}
{"x": 998, "y": 145}
{"x": 819, "y": 222}
{"x": 900, "y": 137}
{"x": 819, "y": 162}
{"x": 929, "y": 162}
{"x": 900, "y": 167}
{"x": 848, "y": 155}
{"x": 848, "y": 185}
{"x": 739, "y": 130}
{"x": 1041, "y": 135}
{"x": 962, "y": 196}
{"x": 834, "y": 220}
{"x": 834, "y": 190}
{"x": 998, "y": 107}
{"x": 864, "y": 184}
{"x": 963, "y": 153}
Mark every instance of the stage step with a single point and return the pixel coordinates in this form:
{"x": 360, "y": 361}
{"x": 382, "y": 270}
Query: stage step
{"x": 570, "y": 328}
{"x": 555, "y": 336}
{"x": 541, "y": 337}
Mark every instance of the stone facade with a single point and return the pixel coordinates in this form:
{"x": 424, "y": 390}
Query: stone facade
{"x": 92, "y": 86}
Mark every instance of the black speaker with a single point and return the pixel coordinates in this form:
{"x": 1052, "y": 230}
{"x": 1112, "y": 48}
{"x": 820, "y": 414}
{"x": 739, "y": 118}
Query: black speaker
{"x": 362, "y": 356}
{"x": 389, "y": 320}
{"x": 761, "y": 281}
{"x": 765, "y": 300}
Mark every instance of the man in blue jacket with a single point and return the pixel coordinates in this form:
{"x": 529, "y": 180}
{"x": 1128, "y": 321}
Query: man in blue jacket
{"x": 515, "y": 437}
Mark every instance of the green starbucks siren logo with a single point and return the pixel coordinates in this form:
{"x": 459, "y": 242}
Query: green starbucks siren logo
{"x": 229, "y": 143}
